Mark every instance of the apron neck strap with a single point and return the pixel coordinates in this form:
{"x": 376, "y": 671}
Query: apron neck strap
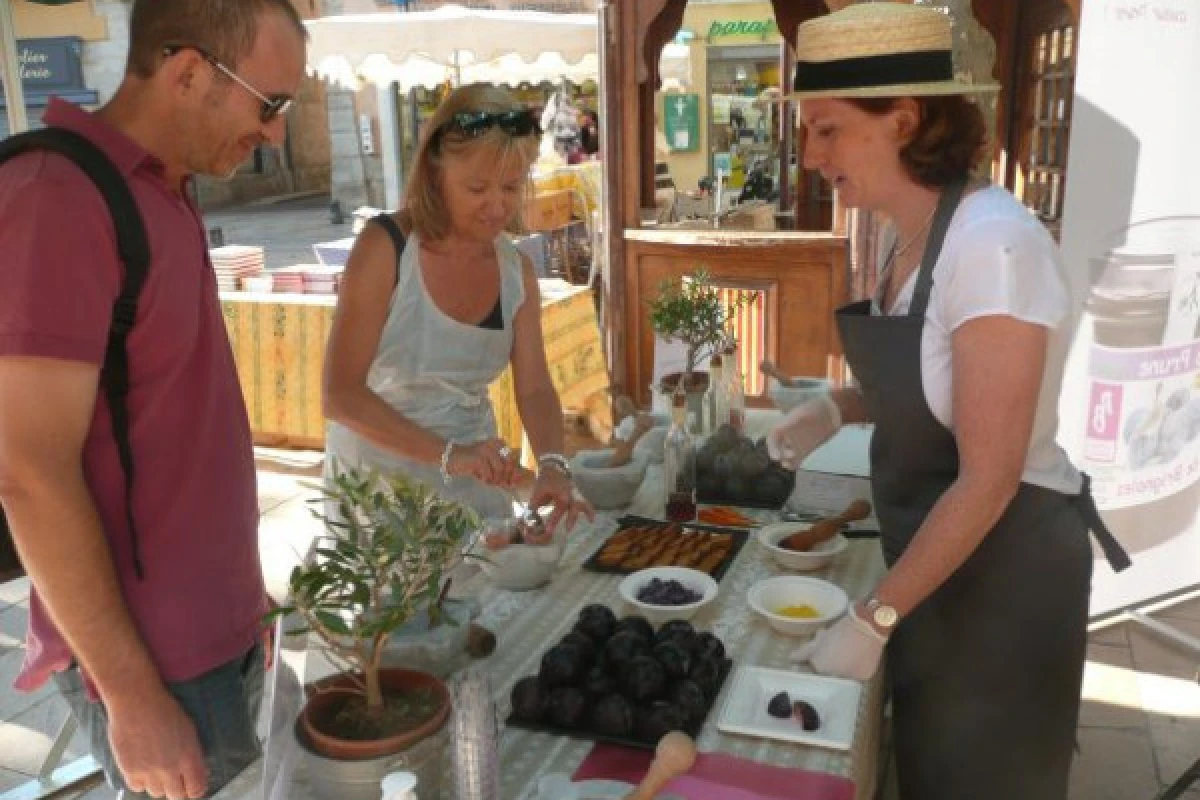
{"x": 947, "y": 203}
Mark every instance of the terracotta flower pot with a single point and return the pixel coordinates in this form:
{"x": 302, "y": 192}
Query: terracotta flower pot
{"x": 332, "y": 693}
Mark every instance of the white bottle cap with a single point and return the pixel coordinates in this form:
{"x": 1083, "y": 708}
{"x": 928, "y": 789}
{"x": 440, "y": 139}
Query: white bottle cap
{"x": 399, "y": 785}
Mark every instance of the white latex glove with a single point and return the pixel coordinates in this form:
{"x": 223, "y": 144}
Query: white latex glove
{"x": 803, "y": 429}
{"x": 851, "y": 648}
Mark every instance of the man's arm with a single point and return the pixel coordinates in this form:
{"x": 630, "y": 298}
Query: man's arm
{"x": 46, "y": 408}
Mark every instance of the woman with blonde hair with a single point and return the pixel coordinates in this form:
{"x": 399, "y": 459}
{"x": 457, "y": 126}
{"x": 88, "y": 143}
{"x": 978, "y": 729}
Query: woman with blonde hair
{"x": 435, "y": 303}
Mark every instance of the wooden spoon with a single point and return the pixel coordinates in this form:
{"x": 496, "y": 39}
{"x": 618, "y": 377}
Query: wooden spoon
{"x": 827, "y": 528}
{"x": 768, "y": 368}
{"x": 675, "y": 754}
{"x": 623, "y": 449}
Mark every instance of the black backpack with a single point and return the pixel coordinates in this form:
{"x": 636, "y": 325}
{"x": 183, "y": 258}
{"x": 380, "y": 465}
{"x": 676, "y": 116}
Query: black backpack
{"x": 134, "y": 252}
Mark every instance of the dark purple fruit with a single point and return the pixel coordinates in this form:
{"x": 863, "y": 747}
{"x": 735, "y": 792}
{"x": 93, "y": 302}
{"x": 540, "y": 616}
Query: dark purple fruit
{"x": 676, "y": 662}
{"x": 598, "y": 683}
{"x": 583, "y": 642}
{"x": 807, "y": 715}
{"x": 596, "y": 622}
{"x": 637, "y": 625}
{"x": 688, "y": 641}
{"x": 780, "y": 706}
{"x": 710, "y": 646}
{"x": 566, "y": 706}
{"x": 623, "y": 647}
{"x": 562, "y": 665}
{"x": 706, "y": 672}
{"x": 672, "y": 628}
{"x": 690, "y": 699}
{"x": 528, "y": 700}
{"x": 643, "y": 679}
{"x": 668, "y": 593}
{"x": 658, "y": 720}
{"x": 612, "y": 715}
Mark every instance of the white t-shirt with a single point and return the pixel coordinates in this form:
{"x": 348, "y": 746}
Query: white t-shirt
{"x": 997, "y": 259}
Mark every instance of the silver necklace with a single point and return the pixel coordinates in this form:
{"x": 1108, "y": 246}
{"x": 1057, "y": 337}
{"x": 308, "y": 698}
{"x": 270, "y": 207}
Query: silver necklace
{"x": 885, "y": 275}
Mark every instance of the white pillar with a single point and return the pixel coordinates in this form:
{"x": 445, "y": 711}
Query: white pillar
{"x": 10, "y": 70}
{"x": 389, "y": 145}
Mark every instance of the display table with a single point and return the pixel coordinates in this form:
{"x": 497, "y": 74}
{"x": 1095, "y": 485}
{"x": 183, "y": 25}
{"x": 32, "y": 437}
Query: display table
{"x": 279, "y": 347}
{"x": 526, "y": 624}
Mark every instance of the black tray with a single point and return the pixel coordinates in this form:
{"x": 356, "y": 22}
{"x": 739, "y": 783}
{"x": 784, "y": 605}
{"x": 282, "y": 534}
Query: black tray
{"x": 624, "y": 741}
{"x": 739, "y": 540}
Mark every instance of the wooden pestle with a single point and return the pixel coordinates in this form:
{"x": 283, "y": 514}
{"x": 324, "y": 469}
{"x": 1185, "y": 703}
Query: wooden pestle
{"x": 824, "y": 529}
{"x": 768, "y": 368}
{"x": 623, "y": 449}
{"x": 675, "y": 754}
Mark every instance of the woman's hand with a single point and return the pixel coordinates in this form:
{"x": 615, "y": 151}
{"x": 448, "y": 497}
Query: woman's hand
{"x": 490, "y": 461}
{"x": 852, "y": 648}
{"x": 805, "y": 428}
{"x": 554, "y": 488}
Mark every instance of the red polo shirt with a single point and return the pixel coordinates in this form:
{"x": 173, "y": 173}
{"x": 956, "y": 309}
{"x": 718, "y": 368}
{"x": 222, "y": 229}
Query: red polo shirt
{"x": 194, "y": 499}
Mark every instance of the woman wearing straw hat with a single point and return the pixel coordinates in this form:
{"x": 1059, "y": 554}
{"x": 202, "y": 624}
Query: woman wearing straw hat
{"x": 958, "y": 358}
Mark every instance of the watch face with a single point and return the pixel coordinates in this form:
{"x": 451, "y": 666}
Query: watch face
{"x": 885, "y": 616}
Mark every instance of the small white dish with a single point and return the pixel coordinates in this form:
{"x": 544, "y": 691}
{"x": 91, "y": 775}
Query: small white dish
{"x": 835, "y": 699}
{"x": 821, "y": 555}
{"x": 558, "y": 786}
{"x": 767, "y": 596}
{"x": 656, "y": 615}
{"x": 802, "y": 389}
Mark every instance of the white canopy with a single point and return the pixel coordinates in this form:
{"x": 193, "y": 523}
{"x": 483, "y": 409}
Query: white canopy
{"x": 424, "y": 48}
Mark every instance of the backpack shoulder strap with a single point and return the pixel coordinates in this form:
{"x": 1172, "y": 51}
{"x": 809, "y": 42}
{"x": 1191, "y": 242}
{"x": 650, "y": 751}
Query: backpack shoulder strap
{"x": 134, "y": 251}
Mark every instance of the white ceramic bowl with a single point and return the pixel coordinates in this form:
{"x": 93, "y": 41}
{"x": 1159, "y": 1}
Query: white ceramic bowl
{"x": 656, "y": 615}
{"x": 818, "y": 557}
{"x": 786, "y": 398}
{"x": 651, "y": 445}
{"x": 766, "y": 596}
{"x": 607, "y": 487}
{"x": 520, "y": 567}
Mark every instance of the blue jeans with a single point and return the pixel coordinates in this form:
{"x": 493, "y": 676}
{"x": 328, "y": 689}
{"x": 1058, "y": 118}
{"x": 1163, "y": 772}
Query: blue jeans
{"x": 223, "y": 704}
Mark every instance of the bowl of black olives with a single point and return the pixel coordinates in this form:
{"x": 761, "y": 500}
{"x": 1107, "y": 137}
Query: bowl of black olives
{"x": 665, "y": 593}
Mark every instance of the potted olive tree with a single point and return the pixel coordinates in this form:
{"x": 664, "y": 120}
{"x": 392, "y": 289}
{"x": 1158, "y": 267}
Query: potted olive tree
{"x": 385, "y": 557}
{"x": 691, "y": 310}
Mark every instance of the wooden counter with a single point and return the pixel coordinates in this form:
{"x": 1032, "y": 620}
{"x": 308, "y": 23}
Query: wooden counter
{"x": 279, "y": 347}
{"x": 801, "y": 278}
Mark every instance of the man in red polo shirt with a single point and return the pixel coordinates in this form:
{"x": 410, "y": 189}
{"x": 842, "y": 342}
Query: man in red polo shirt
{"x": 163, "y": 668}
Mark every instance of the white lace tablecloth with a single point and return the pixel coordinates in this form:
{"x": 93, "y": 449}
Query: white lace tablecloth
{"x": 526, "y": 624}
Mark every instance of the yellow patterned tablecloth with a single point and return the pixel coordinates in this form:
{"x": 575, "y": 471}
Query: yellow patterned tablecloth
{"x": 583, "y": 180}
{"x": 279, "y": 346}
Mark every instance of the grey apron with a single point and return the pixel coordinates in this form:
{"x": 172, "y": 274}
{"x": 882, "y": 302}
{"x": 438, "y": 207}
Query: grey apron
{"x": 985, "y": 675}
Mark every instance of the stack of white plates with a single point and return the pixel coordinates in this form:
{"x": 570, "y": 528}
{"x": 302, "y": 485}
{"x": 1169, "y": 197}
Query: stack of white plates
{"x": 234, "y": 262}
{"x": 288, "y": 281}
{"x": 321, "y": 280}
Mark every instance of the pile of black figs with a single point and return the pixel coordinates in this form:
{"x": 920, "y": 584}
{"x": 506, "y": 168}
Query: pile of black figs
{"x": 734, "y": 470}
{"x": 621, "y": 679}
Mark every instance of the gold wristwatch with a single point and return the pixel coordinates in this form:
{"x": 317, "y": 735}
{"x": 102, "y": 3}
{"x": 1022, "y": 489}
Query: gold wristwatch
{"x": 883, "y": 616}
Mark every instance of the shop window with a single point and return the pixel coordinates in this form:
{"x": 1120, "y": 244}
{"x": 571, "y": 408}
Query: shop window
{"x": 1046, "y": 92}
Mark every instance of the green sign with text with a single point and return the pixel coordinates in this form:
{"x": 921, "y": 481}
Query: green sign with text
{"x": 741, "y": 27}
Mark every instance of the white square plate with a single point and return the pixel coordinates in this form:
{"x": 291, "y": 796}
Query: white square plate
{"x": 835, "y": 699}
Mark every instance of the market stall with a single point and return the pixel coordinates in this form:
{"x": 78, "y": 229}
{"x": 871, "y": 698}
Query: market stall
{"x": 279, "y": 341}
{"x": 736, "y": 754}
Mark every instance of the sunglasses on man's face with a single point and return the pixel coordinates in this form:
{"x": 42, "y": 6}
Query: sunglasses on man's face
{"x": 475, "y": 123}
{"x": 271, "y": 105}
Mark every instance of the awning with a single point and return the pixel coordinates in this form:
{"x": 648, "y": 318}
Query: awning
{"x": 425, "y": 48}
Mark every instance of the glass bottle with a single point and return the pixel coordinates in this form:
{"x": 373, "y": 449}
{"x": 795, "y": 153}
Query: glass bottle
{"x": 735, "y": 392}
{"x": 679, "y": 464}
{"x": 714, "y": 399}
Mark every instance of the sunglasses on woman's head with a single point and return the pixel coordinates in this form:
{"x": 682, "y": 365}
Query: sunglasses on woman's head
{"x": 271, "y": 106}
{"x": 475, "y": 123}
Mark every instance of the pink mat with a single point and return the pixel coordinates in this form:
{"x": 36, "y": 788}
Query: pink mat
{"x": 716, "y": 776}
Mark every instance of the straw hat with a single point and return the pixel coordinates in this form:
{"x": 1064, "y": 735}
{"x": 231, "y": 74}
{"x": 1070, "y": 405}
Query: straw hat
{"x": 878, "y": 49}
